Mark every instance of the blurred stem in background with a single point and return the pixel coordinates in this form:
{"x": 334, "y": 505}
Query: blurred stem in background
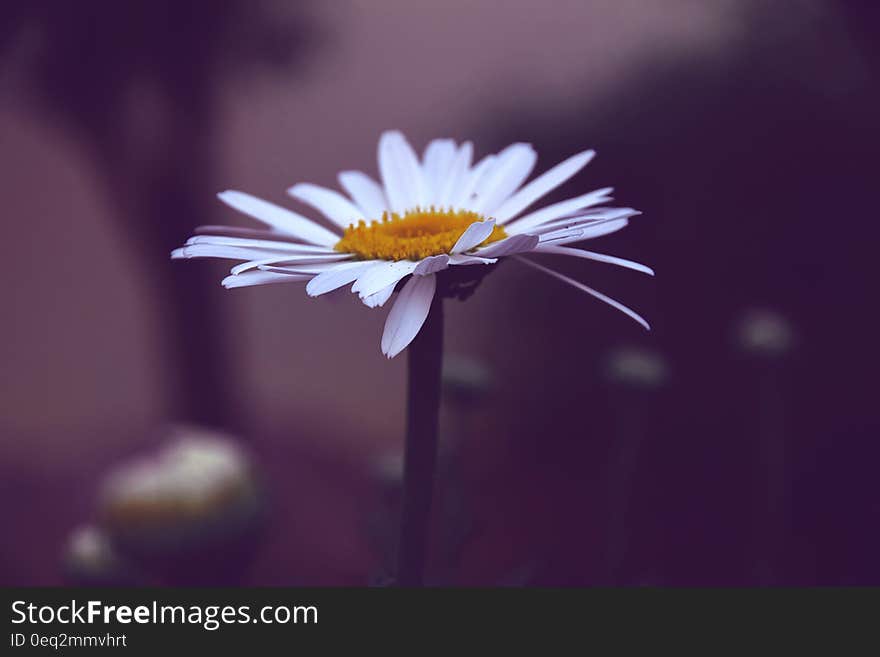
{"x": 774, "y": 478}
{"x": 635, "y": 373}
{"x": 425, "y": 358}
{"x": 621, "y": 475}
{"x": 766, "y": 338}
{"x": 151, "y": 187}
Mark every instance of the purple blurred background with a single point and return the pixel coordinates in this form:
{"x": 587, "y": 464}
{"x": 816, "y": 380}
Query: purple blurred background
{"x": 735, "y": 444}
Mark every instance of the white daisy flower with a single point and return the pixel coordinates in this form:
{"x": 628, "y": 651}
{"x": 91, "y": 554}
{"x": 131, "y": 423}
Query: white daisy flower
{"x": 426, "y": 216}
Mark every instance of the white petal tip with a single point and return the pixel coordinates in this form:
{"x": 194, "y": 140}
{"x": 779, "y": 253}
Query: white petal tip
{"x": 296, "y": 190}
{"x": 587, "y": 156}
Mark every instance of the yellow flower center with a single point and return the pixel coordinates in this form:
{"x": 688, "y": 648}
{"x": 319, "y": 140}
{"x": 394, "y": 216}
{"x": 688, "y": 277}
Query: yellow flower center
{"x": 415, "y": 235}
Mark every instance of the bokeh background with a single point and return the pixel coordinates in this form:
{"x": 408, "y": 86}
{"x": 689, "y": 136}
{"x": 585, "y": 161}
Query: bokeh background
{"x": 735, "y": 444}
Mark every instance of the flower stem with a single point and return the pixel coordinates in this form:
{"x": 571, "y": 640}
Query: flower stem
{"x": 423, "y": 405}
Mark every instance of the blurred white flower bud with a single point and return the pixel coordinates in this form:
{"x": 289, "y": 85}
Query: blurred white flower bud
{"x": 90, "y": 559}
{"x": 765, "y": 332}
{"x": 465, "y": 380}
{"x": 387, "y": 468}
{"x": 198, "y": 490}
{"x": 637, "y": 367}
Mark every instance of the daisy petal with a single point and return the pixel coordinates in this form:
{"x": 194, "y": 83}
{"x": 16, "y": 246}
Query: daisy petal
{"x": 401, "y": 172}
{"x": 542, "y": 185}
{"x": 227, "y": 252}
{"x": 279, "y": 218}
{"x": 408, "y": 314}
{"x": 589, "y": 218}
{"x": 337, "y": 277}
{"x": 474, "y": 235}
{"x": 580, "y": 286}
{"x": 458, "y": 170}
{"x": 462, "y": 197}
{"x": 365, "y": 192}
{"x": 379, "y": 298}
{"x": 332, "y": 205}
{"x": 288, "y": 260}
{"x": 437, "y": 160}
{"x": 381, "y": 275}
{"x": 311, "y": 269}
{"x": 261, "y": 278}
{"x": 509, "y": 246}
{"x": 431, "y": 265}
{"x": 579, "y": 234}
{"x": 514, "y": 165}
{"x": 590, "y": 221}
{"x": 558, "y": 210}
{"x": 471, "y": 260}
{"x": 590, "y": 255}
{"x": 268, "y": 244}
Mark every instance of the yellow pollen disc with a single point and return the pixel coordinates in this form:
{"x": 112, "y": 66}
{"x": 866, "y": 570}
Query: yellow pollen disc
{"x": 415, "y": 235}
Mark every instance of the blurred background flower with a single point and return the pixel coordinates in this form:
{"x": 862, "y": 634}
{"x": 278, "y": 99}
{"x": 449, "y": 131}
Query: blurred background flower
{"x": 91, "y": 559}
{"x": 765, "y": 333}
{"x": 744, "y": 129}
{"x": 192, "y": 512}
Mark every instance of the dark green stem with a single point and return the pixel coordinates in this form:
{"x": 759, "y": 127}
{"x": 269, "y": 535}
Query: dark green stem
{"x": 423, "y": 404}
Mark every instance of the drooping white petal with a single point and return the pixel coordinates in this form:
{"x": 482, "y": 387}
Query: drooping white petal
{"x": 379, "y": 298}
{"x": 590, "y": 255}
{"x": 629, "y": 312}
{"x": 263, "y": 244}
{"x": 332, "y": 205}
{"x": 514, "y": 165}
{"x": 543, "y": 184}
{"x": 509, "y": 246}
{"x": 458, "y": 170}
{"x": 261, "y": 278}
{"x": 431, "y": 265}
{"x": 408, "y": 314}
{"x": 401, "y": 172}
{"x": 338, "y": 276}
{"x": 288, "y": 260}
{"x": 438, "y": 158}
{"x": 557, "y": 210}
{"x": 381, "y": 275}
{"x": 474, "y": 235}
{"x": 462, "y": 197}
{"x": 279, "y": 218}
{"x": 366, "y": 193}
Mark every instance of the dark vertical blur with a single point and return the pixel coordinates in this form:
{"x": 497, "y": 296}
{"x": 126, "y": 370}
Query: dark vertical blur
{"x": 137, "y": 83}
{"x": 757, "y": 172}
